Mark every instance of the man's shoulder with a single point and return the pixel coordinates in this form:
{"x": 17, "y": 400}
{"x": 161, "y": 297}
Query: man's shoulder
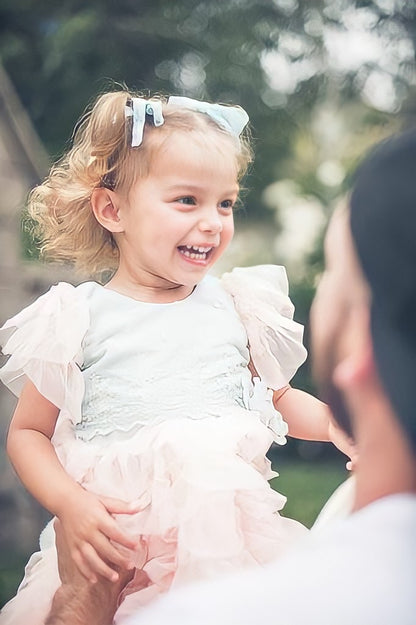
{"x": 359, "y": 570}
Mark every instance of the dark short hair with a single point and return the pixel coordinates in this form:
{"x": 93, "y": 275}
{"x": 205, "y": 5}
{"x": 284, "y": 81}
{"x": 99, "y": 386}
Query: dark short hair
{"x": 383, "y": 225}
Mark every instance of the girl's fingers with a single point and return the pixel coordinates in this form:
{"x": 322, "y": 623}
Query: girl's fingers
{"x": 117, "y": 506}
{"x": 96, "y": 565}
{"x": 111, "y": 554}
{"x": 352, "y": 464}
{"x": 110, "y": 528}
{"x": 114, "y": 533}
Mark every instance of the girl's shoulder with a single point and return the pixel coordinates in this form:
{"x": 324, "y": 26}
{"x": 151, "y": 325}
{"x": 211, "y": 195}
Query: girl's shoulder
{"x": 261, "y": 299}
{"x": 261, "y": 281}
{"x": 242, "y": 283}
{"x": 62, "y": 302}
{"x": 43, "y": 342}
{"x": 260, "y": 287}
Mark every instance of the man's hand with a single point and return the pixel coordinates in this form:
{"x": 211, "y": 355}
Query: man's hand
{"x": 79, "y": 601}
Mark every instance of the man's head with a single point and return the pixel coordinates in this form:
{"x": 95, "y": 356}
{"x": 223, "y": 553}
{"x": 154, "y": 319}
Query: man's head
{"x": 366, "y": 303}
{"x": 341, "y": 305}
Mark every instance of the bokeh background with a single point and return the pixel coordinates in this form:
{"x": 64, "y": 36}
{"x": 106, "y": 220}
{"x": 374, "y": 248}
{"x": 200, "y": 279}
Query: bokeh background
{"x": 322, "y": 81}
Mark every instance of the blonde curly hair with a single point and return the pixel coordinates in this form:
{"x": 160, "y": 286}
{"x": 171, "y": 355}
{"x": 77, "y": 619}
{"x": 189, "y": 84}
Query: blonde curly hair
{"x": 101, "y": 156}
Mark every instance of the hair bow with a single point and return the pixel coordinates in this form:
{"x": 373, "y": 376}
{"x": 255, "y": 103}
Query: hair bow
{"x": 138, "y": 110}
{"x": 231, "y": 118}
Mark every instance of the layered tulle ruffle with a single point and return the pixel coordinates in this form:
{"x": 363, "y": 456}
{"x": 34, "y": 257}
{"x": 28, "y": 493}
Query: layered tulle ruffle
{"x": 44, "y": 343}
{"x": 261, "y": 298}
{"x": 205, "y": 504}
{"x": 206, "y": 508}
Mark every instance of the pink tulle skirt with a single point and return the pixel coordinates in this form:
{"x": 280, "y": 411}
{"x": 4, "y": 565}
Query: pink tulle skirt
{"x": 206, "y": 507}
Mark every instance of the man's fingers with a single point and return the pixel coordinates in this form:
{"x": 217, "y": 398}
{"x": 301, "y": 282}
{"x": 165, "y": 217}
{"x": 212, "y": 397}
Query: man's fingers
{"x": 59, "y": 535}
{"x": 83, "y": 567}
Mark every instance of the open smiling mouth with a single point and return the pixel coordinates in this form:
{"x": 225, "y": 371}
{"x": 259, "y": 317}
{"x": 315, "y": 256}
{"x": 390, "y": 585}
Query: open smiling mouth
{"x": 195, "y": 253}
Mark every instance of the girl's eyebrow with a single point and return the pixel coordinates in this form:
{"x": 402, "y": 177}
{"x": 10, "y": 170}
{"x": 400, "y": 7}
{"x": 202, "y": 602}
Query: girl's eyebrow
{"x": 183, "y": 185}
{"x": 193, "y": 188}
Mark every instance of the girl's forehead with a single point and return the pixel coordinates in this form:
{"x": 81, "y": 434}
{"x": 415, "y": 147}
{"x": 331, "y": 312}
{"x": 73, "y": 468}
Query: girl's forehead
{"x": 194, "y": 151}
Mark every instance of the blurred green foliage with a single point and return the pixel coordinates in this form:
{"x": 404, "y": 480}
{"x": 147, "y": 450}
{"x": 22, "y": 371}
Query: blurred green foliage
{"x": 60, "y": 55}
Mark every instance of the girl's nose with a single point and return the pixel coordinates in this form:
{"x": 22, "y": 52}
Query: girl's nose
{"x": 211, "y": 222}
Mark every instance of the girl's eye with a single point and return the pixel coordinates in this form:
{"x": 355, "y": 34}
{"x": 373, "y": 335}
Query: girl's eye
{"x": 187, "y": 200}
{"x": 227, "y": 204}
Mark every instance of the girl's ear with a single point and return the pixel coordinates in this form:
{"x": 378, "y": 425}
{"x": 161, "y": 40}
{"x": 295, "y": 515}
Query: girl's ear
{"x": 105, "y": 207}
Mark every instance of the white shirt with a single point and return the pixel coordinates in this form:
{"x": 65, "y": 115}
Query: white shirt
{"x": 359, "y": 571}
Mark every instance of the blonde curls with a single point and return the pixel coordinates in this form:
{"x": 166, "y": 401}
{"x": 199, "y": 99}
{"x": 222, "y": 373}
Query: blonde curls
{"x": 101, "y": 155}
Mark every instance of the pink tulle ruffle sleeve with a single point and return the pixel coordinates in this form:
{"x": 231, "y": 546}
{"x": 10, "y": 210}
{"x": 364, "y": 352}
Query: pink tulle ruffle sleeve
{"x": 261, "y": 299}
{"x": 44, "y": 344}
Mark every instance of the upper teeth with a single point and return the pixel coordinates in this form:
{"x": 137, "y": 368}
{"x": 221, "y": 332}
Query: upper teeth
{"x": 202, "y": 250}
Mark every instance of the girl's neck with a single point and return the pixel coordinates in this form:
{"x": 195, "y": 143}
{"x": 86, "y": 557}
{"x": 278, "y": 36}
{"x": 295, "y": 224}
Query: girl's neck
{"x": 152, "y": 289}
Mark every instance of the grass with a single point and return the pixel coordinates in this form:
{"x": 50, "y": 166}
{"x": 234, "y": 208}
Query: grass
{"x": 307, "y": 486}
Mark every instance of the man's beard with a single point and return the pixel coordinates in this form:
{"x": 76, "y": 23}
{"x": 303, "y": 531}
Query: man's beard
{"x": 335, "y": 399}
{"x": 330, "y": 394}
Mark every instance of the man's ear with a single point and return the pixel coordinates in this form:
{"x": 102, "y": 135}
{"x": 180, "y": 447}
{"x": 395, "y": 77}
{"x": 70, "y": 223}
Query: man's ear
{"x": 357, "y": 366}
{"x": 104, "y": 203}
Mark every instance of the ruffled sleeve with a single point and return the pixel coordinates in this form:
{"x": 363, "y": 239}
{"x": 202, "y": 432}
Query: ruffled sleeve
{"x": 261, "y": 299}
{"x": 44, "y": 344}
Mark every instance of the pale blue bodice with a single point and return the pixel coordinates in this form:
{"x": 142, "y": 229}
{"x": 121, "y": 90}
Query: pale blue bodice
{"x": 144, "y": 363}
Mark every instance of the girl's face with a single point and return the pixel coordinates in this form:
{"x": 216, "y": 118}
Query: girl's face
{"x": 178, "y": 221}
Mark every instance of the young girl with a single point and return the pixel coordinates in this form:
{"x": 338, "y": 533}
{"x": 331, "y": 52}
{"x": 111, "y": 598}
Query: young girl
{"x": 145, "y": 412}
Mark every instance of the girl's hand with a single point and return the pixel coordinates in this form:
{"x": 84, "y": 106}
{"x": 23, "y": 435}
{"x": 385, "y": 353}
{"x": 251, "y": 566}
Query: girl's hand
{"x": 90, "y": 530}
{"x": 344, "y": 443}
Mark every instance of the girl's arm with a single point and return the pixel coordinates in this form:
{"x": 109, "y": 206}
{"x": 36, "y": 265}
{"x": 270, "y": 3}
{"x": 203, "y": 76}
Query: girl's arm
{"x": 86, "y": 518}
{"x": 309, "y": 418}
{"x": 306, "y": 416}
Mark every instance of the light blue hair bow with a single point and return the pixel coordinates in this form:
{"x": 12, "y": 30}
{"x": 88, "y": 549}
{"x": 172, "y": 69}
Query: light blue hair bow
{"x": 138, "y": 110}
{"x": 231, "y": 118}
